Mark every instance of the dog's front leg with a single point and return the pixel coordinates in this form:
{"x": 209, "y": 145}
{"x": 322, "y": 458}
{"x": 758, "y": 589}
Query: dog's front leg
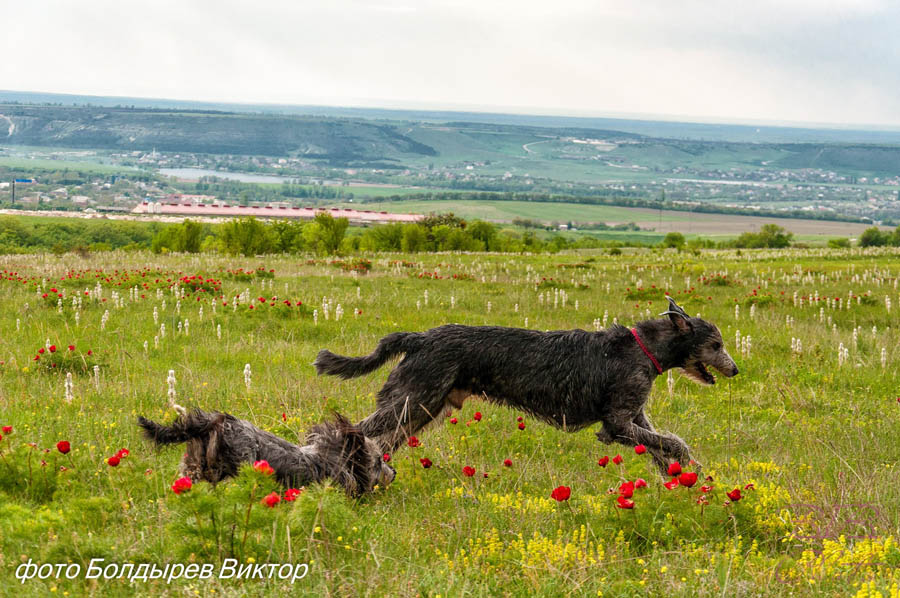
{"x": 670, "y": 447}
{"x": 656, "y": 451}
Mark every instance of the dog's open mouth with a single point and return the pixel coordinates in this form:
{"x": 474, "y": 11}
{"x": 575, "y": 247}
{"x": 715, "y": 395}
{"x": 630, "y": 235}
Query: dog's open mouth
{"x": 697, "y": 371}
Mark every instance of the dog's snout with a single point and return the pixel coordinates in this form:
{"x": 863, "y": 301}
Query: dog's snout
{"x": 734, "y": 370}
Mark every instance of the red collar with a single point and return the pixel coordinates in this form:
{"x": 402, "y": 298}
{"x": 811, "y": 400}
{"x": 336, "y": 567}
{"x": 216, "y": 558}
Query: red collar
{"x": 646, "y": 350}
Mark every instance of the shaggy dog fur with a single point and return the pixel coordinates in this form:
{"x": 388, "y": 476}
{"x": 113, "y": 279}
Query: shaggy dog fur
{"x": 568, "y": 378}
{"x": 219, "y": 443}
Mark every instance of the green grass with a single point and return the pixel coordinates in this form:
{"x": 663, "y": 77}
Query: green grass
{"x": 50, "y": 164}
{"x": 509, "y": 210}
{"x": 800, "y": 427}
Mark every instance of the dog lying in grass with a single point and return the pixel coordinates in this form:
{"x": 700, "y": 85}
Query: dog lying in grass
{"x": 219, "y": 443}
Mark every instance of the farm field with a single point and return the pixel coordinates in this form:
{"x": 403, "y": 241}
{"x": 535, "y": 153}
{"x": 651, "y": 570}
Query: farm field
{"x": 663, "y": 221}
{"x": 800, "y": 447}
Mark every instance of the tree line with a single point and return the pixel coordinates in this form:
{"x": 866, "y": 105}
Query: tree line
{"x": 326, "y": 235}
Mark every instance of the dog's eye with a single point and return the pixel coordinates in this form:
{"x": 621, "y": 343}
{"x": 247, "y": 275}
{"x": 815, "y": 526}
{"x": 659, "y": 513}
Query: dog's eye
{"x": 716, "y": 346}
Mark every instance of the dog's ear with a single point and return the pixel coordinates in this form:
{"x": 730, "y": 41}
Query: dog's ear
{"x": 213, "y": 448}
{"x": 343, "y": 454}
{"x": 678, "y": 316}
{"x": 358, "y": 459}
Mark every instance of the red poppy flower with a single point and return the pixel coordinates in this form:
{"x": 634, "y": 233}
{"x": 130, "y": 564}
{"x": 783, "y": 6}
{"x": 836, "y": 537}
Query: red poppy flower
{"x": 640, "y": 449}
{"x": 675, "y": 468}
{"x": 52, "y": 348}
{"x": 671, "y": 484}
{"x": 181, "y": 485}
{"x": 705, "y": 489}
{"x": 63, "y": 446}
{"x": 507, "y": 463}
{"x": 272, "y": 499}
{"x": 385, "y": 457}
{"x": 263, "y": 467}
{"x": 627, "y": 489}
{"x": 37, "y": 358}
{"x": 561, "y": 493}
{"x": 750, "y": 486}
{"x": 624, "y": 503}
{"x": 71, "y": 347}
{"x": 123, "y": 453}
{"x": 485, "y": 474}
{"x": 113, "y": 461}
{"x": 7, "y": 429}
{"x": 618, "y": 459}
{"x": 41, "y": 350}
{"x": 426, "y": 462}
{"x": 453, "y": 420}
{"x": 477, "y": 416}
{"x": 291, "y": 494}
{"x": 90, "y": 352}
{"x": 702, "y": 500}
{"x": 603, "y": 461}
{"x": 687, "y": 479}
{"x": 413, "y": 442}
{"x": 283, "y": 416}
{"x": 734, "y": 495}
{"x": 468, "y": 471}
{"x": 521, "y": 425}
{"x": 640, "y": 483}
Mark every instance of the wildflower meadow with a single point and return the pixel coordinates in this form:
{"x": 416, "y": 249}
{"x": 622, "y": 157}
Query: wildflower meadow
{"x": 799, "y": 494}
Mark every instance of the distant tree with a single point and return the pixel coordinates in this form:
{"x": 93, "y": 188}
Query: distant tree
{"x": 673, "y": 239}
{"x": 841, "y": 243}
{"x": 414, "y": 238}
{"x": 873, "y": 237}
{"x": 775, "y": 236}
{"x": 324, "y": 234}
{"x": 247, "y": 236}
{"x": 769, "y": 236}
{"x": 185, "y": 237}
{"x": 484, "y": 232}
{"x": 190, "y": 236}
{"x": 288, "y": 236}
{"x": 447, "y": 219}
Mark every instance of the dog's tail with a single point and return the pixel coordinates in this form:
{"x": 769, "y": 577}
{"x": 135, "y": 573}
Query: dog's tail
{"x": 350, "y": 367}
{"x": 195, "y": 424}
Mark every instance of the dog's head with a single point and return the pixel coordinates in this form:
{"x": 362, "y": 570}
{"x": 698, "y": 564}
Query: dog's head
{"x": 705, "y": 346}
{"x": 349, "y": 457}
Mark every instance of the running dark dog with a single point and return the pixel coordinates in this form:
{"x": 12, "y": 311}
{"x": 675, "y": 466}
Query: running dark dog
{"x": 568, "y": 378}
{"x": 219, "y": 443}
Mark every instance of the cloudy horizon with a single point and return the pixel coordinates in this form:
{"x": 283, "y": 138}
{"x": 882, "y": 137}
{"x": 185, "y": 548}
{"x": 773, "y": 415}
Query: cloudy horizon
{"x": 828, "y": 63}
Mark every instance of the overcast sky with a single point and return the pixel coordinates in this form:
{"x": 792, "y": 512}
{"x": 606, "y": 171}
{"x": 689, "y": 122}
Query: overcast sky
{"x": 773, "y": 60}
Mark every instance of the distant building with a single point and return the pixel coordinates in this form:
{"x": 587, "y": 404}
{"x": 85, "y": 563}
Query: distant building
{"x": 169, "y": 208}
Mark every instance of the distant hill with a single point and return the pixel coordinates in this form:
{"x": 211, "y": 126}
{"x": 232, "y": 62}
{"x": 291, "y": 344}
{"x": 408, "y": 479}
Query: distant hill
{"x": 574, "y": 152}
{"x": 211, "y": 132}
{"x": 667, "y": 129}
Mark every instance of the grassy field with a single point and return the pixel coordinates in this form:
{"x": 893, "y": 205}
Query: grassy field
{"x": 807, "y": 437}
{"x": 661, "y": 221}
{"x": 26, "y": 164}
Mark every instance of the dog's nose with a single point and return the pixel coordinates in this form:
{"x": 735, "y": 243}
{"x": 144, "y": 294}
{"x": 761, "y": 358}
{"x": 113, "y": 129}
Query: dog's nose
{"x": 734, "y": 371}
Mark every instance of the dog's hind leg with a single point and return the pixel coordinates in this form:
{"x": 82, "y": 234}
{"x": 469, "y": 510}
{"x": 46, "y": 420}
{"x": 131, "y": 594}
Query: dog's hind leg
{"x": 408, "y": 401}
